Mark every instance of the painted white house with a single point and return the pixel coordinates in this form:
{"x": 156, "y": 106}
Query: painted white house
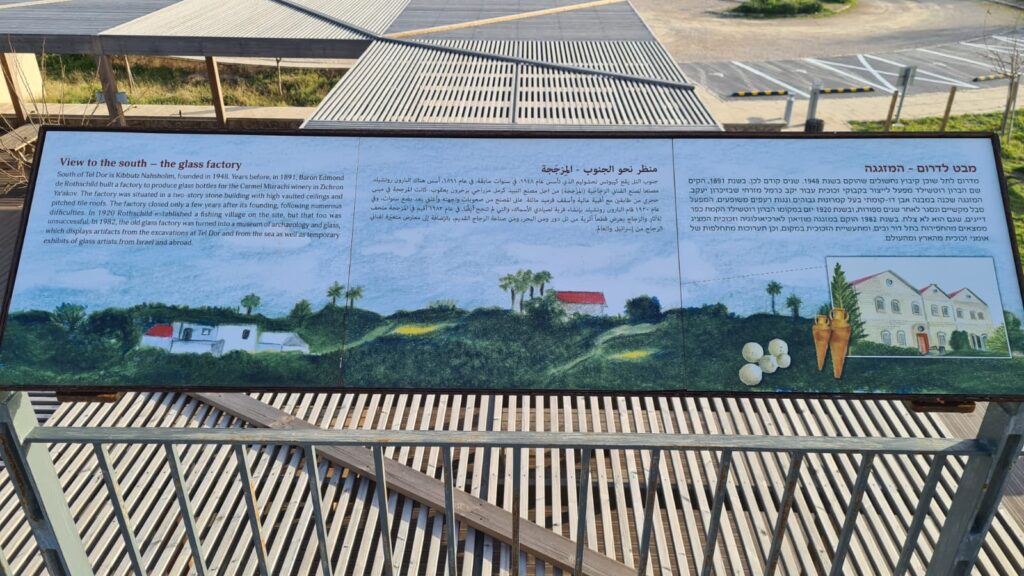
{"x": 193, "y": 338}
{"x": 896, "y": 313}
{"x": 585, "y": 303}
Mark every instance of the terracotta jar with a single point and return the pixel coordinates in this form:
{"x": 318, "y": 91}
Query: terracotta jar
{"x": 822, "y": 332}
{"x": 839, "y": 343}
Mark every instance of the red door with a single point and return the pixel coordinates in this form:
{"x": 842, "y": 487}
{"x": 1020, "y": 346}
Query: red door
{"x": 922, "y": 343}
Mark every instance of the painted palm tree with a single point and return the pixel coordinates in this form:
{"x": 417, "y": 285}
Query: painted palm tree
{"x": 352, "y": 294}
{"x": 524, "y": 283}
{"x": 529, "y": 280}
{"x": 508, "y": 283}
{"x": 793, "y": 302}
{"x": 774, "y": 289}
{"x": 335, "y": 291}
{"x": 301, "y": 311}
{"x": 541, "y": 278}
{"x": 250, "y": 301}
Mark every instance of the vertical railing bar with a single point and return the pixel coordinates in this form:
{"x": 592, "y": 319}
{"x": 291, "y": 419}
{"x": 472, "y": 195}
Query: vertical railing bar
{"x": 252, "y": 510}
{"x": 931, "y": 482}
{"x": 517, "y": 466}
{"x": 785, "y": 506}
{"x": 581, "y": 519}
{"x": 716, "y": 512}
{"x": 383, "y": 515}
{"x": 653, "y": 478}
{"x": 449, "y": 512}
{"x": 850, "y": 522}
{"x": 186, "y": 509}
{"x": 313, "y": 476}
{"x": 5, "y": 568}
{"x": 114, "y": 489}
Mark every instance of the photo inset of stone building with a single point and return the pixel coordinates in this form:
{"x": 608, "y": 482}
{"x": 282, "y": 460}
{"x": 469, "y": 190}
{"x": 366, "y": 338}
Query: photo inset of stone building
{"x": 896, "y": 313}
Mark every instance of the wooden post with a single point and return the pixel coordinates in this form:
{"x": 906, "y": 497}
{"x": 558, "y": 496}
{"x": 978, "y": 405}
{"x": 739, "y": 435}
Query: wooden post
{"x": 9, "y": 65}
{"x": 892, "y": 110}
{"x": 216, "y": 91}
{"x": 131, "y": 78}
{"x": 949, "y": 107}
{"x": 109, "y": 84}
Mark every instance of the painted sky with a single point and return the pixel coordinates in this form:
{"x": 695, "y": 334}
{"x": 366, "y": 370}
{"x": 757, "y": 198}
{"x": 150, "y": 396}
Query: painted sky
{"x": 409, "y": 265}
{"x": 212, "y": 272}
{"x": 735, "y": 267}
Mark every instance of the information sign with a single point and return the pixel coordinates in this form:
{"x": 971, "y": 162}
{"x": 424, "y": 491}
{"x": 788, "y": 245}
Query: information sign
{"x": 715, "y": 264}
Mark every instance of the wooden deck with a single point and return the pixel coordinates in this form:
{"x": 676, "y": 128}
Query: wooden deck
{"x": 548, "y": 497}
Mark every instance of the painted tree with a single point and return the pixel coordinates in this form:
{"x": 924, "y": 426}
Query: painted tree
{"x": 997, "y": 341}
{"x": 793, "y": 302}
{"x": 774, "y": 289}
{"x": 335, "y": 291}
{"x": 530, "y": 280}
{"x": 301, "y": 311}
{"x": 844, "y": 296}
{"x": 68, "y": 316}
{"x": 541, "y": 278}
{"x": 352, "y": 294}
{"x": 249, "y": 302}
{"x": 524, "y": 283}
{"x": 508, "y": 283}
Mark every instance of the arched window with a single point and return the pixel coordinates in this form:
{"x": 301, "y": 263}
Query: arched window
{"x": 942, "y": 339}
{"x": 901, "y": 338}
{"x": 984, "y": 342}
{"x": 895, "y": 305}
{"x": 886, "y": 338}
{"x": 879, "y": 304}
{"x": 981, "y": 315}
{"x": 973, "y": 315}
{"x": 959, "y": 313}
{"x": 935, "y": 309}
{"x": 915, "y": 308}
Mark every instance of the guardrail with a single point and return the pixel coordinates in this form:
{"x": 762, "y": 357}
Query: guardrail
{"x": 990, "y": 458}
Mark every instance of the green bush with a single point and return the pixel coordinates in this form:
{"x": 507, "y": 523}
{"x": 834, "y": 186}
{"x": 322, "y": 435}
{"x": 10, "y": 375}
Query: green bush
{"x": 778, "y": 7}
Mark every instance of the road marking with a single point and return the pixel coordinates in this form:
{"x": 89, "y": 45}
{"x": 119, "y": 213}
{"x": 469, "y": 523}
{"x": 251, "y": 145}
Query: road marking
{"x": 990, "y": 48}
{"x": 825, "y": 65}
{"x": 770, "y": 79}
{"x": 942, "y": 79}
{"x": 31, "y": 3}
{"x": 952, "y": 57}
{"x": 1014, "y": 41}
{"x": 871, "y": 69}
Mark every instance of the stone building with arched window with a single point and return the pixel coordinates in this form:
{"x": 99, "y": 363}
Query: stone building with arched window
{"x": 896, "y": 313}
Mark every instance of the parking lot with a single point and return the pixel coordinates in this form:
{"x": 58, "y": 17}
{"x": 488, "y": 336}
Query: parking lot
{"x": 963, "y": 64}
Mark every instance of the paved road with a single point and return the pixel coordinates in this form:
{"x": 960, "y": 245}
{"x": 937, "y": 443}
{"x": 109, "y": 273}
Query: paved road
{"x": 939, "y": 67}
{"x": 700, "y": 31}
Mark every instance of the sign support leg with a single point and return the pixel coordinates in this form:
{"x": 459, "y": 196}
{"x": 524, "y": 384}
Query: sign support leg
{"x": 39, "y": 490}
{"x": 981, "y": 488}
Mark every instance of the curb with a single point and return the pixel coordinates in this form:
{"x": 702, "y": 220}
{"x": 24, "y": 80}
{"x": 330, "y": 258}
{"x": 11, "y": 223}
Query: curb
{"x": 756, "y": 93}
{"x": 850, "y": 90}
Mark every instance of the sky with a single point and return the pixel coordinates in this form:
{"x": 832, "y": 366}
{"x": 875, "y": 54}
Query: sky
{"x": 408, "y": 265}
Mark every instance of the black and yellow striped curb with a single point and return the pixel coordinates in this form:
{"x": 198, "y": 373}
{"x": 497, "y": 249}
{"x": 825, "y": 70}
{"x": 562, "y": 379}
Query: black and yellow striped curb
{"x": 988, "y": 77}
{"x": 846, "y": 90}
{"x": 747, "y": 93}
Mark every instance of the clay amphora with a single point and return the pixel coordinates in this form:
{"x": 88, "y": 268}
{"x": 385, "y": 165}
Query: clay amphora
{"x": 839, "y": 343}
{"x": 822, "y": 332}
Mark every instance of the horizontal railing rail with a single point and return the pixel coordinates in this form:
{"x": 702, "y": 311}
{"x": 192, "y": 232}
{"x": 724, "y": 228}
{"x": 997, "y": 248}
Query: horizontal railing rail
{"x": 467, "y": 439}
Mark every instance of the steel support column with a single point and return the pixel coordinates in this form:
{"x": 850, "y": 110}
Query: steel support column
{"x": 981, "y": 488}
{"x": 39, "y": 490}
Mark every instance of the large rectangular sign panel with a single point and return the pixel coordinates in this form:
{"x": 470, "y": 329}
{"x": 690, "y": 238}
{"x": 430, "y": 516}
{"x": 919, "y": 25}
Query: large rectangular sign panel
{"x": 790, "y": 265}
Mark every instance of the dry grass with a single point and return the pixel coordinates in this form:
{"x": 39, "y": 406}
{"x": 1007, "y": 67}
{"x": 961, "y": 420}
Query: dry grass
{"x": 73, "y": 80}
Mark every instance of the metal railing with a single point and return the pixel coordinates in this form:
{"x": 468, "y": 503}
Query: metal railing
{"x": 990, "y": 457}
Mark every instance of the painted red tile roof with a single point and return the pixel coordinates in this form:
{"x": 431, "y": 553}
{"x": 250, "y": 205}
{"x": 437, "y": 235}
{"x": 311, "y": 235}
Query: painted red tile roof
{"x": 866, "y": 278}
{"x": 951, "y": 294}
{"x": 161, "y": 331}
{"x": 581, "y": 297}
